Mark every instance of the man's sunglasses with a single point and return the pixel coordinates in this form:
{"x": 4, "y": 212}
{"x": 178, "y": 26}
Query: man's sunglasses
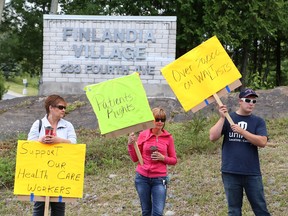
{"x": 247, "y": 100}
{"x": 60, "y": 107}
{"x": 160, "y": 119}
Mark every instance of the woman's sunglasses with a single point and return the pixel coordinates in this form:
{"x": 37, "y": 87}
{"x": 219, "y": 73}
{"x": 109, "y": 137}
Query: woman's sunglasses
{"x": 60, "y": 107}
{"x": 160, "y": 119}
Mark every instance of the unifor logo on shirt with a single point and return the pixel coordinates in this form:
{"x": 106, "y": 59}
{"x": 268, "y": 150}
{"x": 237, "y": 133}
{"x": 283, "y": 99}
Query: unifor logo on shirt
{"x": 233, "y": 136}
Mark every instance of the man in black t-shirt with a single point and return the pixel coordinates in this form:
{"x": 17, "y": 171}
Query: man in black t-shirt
{"x": 240, "y": 160}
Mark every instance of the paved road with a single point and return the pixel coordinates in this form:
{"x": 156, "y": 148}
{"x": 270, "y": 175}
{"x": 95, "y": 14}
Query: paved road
{"x": 11, "y": 95}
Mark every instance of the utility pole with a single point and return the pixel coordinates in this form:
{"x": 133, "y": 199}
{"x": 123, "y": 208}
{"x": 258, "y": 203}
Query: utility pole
{"x": 2, "y": 3}
{"x": 54, "y": 6}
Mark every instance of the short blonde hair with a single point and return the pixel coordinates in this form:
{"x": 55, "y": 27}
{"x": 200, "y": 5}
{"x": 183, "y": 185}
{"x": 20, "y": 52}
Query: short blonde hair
{"x": 159, "y": 113}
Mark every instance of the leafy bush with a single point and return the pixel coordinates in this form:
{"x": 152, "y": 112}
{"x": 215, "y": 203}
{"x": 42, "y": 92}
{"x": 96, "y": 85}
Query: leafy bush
{"x": 3, "y": 89}
{"x": 32, "y": 81}
{"x": 256, "y": 82}
{"x": 7, "y": 170}
{"x": 22, "y": 136}
{"x": 72, "y": 106}
{"x": 7, "y": 163}
{"x": 104, "y": 154}
{"x": 193, "y": 136}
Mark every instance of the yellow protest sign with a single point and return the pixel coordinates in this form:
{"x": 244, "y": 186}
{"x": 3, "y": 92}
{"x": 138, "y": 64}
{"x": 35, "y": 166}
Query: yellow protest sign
{"x": 200, "y": 73}
{"x": 49, "y": 170}
{"x": 119, "y": 103}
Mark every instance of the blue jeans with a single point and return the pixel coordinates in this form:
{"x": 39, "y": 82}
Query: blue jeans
{"x": 57, "y": 208}
{"x": 152, "y": 194}
{"x": 253, "y": 186}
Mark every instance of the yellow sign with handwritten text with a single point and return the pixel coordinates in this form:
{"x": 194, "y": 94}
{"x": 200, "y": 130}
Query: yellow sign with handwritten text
{"x": 49, "y": 170}
{"x": 200, "y": 73}
{"x": 119, "y": 103}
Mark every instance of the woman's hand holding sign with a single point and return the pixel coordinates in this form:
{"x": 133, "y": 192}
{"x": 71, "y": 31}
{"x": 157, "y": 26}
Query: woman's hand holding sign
{"x": 132, "y": 138}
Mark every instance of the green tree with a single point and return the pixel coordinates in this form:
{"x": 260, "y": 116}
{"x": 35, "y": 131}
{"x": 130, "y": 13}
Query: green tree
{"x": 54, "y": 7}
{"x": 249, "y": 30}
{"x": 119, "y": 7}
{"x": 21, "y": 35}
{"x": 190, "y": 25}
{"x": 2, "y": 3}
{"x": 254, "y": 32}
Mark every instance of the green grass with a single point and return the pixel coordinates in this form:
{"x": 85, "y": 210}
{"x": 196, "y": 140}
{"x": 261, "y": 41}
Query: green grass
{"x": 195, "y": 187}
{"x": 31, "y": 91}
{"x": 16, "y": 85}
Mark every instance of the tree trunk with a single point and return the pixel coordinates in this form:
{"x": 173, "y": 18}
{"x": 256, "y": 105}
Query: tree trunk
{"x": 261, "y": 56}
{"x": 278, "y": 61}
{"x": 244, "y": 64}
{"x": 267, "y": 69}
{"x": 54, "y": 7}
{"x": 255, "y": 56}
{"x": 2, "y": 3}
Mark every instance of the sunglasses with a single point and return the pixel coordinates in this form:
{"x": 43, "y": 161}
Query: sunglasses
{"x": 160, "y": 119}
{"x": 247, "y": 100}
{"x": 60, "y": 107}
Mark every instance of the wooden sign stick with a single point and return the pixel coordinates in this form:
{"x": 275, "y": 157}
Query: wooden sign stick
{"x": 46, "y": 212}
{"x": 221, "y": 104}
{"x": 138, "y": 153}
{"x": 228, "y": 116}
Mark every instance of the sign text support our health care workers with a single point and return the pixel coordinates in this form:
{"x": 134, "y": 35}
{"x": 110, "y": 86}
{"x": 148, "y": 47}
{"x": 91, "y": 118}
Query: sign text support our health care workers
{"x": 200, "y": 73}
{"x": 49, "y": 170}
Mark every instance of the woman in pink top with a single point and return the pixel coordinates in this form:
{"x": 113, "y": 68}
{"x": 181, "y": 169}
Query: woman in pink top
{"x": 157, "y": 148}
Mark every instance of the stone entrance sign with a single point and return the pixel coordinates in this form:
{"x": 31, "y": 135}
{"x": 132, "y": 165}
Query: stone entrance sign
{"x": 83, "y": 50}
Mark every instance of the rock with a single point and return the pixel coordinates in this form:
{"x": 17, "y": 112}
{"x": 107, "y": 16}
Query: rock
{"x": 18, "y": 114}
{"x": 169, "y": 213}
{"x": 111, "y": 176}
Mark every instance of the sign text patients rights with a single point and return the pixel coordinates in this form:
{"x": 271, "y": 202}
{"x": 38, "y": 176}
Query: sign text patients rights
{"x": 200, "y": 73}
{"x": 119, "y": 103}
{"x": 49, "y": 170}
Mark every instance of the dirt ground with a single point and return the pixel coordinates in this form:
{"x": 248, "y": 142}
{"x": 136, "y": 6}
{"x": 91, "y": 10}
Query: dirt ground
{"x": 18, "y": 114}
